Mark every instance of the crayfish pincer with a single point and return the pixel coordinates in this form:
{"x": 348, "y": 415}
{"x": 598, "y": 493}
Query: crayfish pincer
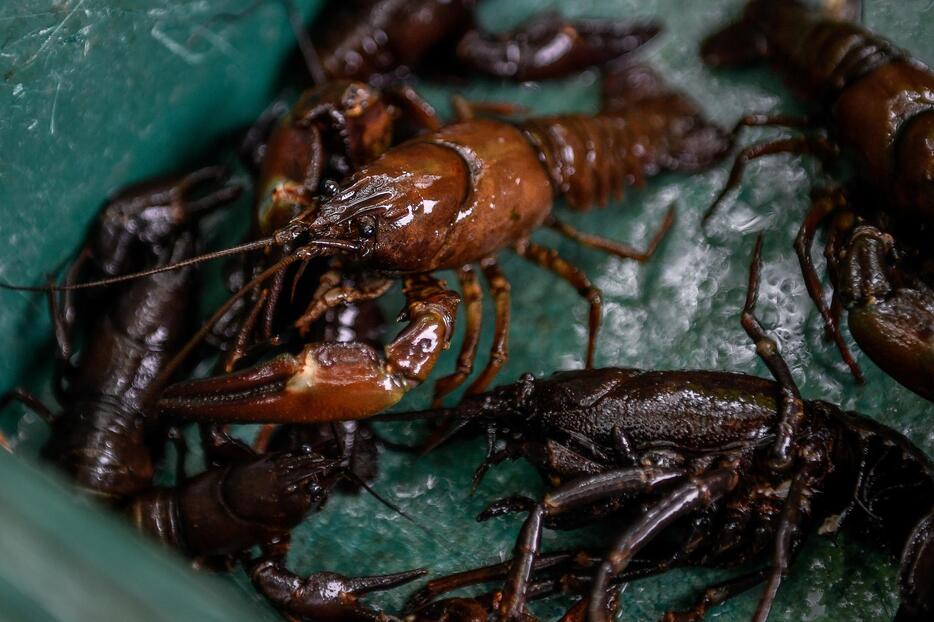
{"x": 877, "y": 102}
{"x": 684, "y": 459}
{"x": 381, "y": 41}
{"x": 454, "y": 199}
{"x": 325, "y": 596}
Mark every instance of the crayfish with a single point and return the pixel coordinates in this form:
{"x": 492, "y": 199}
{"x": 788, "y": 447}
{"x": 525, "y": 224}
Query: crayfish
{"x": 103, "y": 438}
{"x": 683, "y": 459}
{"x": 878, "y": 102}
{"x": 449, "y": 199}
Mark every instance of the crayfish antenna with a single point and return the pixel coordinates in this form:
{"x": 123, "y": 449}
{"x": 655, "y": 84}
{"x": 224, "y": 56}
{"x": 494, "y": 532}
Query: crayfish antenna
{"x": 449, "y": 425}
{"x": 446, "y": 430}
{"x": 310, "y": 55}
{"x": 392, "y": 506}
{"x": 176, "y": 361}
{"x": 364, "y": 585}
{"x": 451, "y": 421}
{"x": 386, "y": 502}
{"x": 305, "y": 46}
{"x": 227, "y": 252}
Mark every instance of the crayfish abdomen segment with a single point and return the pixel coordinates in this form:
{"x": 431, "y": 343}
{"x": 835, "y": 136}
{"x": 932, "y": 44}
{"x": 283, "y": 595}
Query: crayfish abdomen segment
{"x": 644, "y": 127}
{"x": 819, "y": 54}
{"x": 102, "y": 446}
{"x": 873, "y": 96}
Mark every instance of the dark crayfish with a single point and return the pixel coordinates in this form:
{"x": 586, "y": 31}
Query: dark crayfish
{"x": 384, "y": 40}
{"x": 451, "y": 199}
{"x": 104, "y": 436}
{"x": 221, "y": 514}
{"x": 878, "y": 102}
{"x": 685, "y": 456}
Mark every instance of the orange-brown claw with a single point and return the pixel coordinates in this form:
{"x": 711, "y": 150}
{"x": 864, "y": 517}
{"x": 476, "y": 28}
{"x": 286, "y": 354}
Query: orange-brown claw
{"x": 431, "y": 310}
{"x": 327, "y": 381}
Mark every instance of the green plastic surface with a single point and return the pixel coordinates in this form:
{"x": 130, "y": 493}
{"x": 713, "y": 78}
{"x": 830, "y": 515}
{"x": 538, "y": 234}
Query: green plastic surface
{"x": 96, "y": 96}
{"x": 65, "y": 560}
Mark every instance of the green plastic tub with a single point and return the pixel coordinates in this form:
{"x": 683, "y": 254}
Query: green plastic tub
{"x": 97, "y": 94}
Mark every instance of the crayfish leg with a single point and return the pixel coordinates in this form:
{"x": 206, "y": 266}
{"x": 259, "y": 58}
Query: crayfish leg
{"x": 333, "y": 293}
{"x": 694, "y": 494}
{"x": 415, "y": 113}
{"x": 715, "y": 595}
{"x": 550, "y": 260}
{"x": 788, "y": 534}
{"x": 801, "y": 145}
{"x": 252, "y": 150}
{"x": 473, "y": 311}
{"x": 916, "y": 576}
{"x": 791, "y": 404}
{"x": 499, "y": 350}
{"x": 823, "y": 204}
{"x": 575, "y": 494}
{"x": 28, "y": 400}
{"x": 613, "y": 247}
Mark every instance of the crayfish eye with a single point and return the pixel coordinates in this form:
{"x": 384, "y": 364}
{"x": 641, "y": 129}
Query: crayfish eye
{"x": 366, "y": 227}
{"x": 329, "y": 187}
